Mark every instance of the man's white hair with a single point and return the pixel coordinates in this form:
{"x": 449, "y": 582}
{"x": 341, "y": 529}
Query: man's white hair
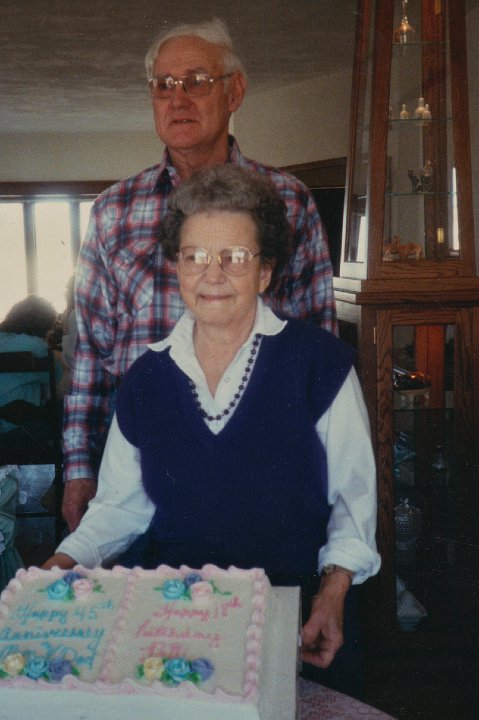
{"x": 213, "y": 31}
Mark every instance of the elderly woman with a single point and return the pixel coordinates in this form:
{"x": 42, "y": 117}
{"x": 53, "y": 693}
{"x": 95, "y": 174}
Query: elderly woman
{"x": 242, "y": 438}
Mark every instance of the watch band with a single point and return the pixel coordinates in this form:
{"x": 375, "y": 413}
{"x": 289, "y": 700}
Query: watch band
{"x": 330, "y": 569}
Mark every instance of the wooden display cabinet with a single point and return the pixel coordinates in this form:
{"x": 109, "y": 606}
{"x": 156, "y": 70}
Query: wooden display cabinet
{"x": 408, "y": 289}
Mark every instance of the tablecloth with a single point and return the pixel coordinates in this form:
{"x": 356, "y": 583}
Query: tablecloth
{"x": 320, "y": 703}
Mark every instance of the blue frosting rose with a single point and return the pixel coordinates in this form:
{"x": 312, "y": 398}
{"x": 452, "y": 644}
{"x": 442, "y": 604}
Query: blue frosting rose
{"x": 177, "y": 669}
{"x": 36, "y": 667}
{"x": 203, "y": 667}
{"x": 59, "y": 590}
{"x": 191, "y": 579}
{"x": 57, "y": 669}
{"x": 173, "y": 589}
{"x": 71, "y": 576}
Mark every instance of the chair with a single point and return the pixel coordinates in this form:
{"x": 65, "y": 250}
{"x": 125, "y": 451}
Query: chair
{"x": 10, "y": 560}
{"x": 36, "y": 453}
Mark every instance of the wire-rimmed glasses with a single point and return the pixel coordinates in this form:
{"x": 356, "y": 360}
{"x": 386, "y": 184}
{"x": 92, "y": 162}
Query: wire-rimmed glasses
{"x": 195, "y": 84}
{"x": 235, "y": 260}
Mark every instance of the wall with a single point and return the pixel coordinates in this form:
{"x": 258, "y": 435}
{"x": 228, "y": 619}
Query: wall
{"x": 304, "y": 122}
{"x": 76, "y": 156}
{"x": 291, "y": 125}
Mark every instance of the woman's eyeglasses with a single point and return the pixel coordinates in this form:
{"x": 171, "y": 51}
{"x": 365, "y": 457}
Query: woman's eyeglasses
{"x": 235, "y": 260}
{"x": 196, "y": 84}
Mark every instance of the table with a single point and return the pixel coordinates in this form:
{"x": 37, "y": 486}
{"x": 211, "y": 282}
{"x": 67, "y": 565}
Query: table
{"x": 320, "y": 703}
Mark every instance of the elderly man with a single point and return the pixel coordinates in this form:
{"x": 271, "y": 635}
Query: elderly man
{"x": 126, "y": 291}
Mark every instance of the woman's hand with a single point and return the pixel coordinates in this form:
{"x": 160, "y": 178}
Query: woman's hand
{"x": 76, "y": 496}
{"x": 322, "y": 635}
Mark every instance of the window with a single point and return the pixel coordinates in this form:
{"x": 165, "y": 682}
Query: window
{"x": 41, "y": 228}
{"x": 13, "y": 267}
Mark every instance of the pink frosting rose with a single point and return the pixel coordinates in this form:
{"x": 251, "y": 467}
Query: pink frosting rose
{"x": 201, "y": 591}
{"x": 82, "y": 588}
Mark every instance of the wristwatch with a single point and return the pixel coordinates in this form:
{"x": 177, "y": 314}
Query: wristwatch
{"x": 330, "y": 569}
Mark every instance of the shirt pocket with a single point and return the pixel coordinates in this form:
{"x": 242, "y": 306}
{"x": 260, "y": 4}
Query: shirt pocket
{"x": 135, "y": 266}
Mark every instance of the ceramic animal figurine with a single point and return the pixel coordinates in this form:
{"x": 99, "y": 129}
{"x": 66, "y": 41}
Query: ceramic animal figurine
{"x": 402, "y": 251}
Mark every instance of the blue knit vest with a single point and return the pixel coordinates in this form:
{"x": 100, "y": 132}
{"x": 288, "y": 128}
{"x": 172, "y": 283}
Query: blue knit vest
{"x": 256, "y": 493}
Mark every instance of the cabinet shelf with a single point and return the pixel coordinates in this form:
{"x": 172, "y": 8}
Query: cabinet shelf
{"x": 419, "y": 410}
{"x": 420, "y": 194}
{"x": 418, "y": 123}
{"x": 404, "y": 47}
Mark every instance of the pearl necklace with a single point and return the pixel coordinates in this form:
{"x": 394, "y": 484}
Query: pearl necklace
{"x": 238, "y": 394}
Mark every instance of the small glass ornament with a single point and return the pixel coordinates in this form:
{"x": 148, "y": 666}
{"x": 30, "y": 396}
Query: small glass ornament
{"x": 404, "y": 33}
{"x": 439, "y": 458}
{"x": 419, "y": 111}
{"x": 415, "y": 181}
{"x": 426, "y": 175}
{"x": 408, "y": 522}
{"x": 426, "y": 115}
{"x": 440, "y": 465}
{"x": 404, "y": 114}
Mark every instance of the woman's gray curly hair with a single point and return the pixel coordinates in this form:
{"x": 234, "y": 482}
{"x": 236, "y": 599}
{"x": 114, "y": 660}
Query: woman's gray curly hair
{"x": 229, "y": 188}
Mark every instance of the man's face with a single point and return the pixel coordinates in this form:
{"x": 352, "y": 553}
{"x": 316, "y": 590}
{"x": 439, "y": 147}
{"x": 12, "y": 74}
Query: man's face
{"x": 188, "y": 123}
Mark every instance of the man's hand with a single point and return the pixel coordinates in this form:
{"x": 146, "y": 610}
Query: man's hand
{"x": 76, "y": 496}
{"x": 322, "y": 635}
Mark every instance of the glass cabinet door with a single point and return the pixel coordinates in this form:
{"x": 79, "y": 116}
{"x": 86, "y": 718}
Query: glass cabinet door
{"x": 408, "y": 196}
{"x": 430, "y": 484}
{"x": 423, "y": 469}
{"x": 421, "y": 191}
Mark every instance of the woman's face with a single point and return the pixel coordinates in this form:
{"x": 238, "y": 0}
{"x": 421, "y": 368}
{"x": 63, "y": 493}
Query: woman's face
{"x": 213, "y": 296}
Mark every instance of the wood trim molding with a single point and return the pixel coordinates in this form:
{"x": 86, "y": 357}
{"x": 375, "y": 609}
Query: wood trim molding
{"x": 92, "y": 188}
{"x": 329, "y": 173}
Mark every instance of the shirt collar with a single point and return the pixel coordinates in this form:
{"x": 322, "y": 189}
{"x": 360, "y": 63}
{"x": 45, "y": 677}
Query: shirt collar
{"x": 168, "y": 173}
{"x": 181, "y": 337}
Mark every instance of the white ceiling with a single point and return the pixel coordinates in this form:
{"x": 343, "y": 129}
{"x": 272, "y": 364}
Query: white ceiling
{"x": 77, "y": 65}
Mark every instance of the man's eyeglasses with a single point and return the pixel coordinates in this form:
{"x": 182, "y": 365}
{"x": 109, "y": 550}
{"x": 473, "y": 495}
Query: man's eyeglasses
{"x": 195, "y": 84}
{"x": 235, "y": 260}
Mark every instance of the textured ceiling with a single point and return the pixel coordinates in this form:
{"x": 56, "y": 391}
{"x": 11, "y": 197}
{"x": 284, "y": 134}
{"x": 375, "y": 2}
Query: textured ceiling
{"x": 77, "y": 65}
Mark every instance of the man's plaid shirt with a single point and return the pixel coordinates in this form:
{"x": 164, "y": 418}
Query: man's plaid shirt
{"x": 127, "y": 294}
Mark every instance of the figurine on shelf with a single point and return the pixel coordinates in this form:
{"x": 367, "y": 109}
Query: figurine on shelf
{"x": 403, "y": 450}
{"x": 423, "y": 183}
{"x": 426, "y": 115}
{"x": 397, "y": 250}
{"x": 404, "y": 32}
{"x": 409, "y": 610}
{"x": 408, "y": 522}
{"x": 419, "y": 111}
{"x": 415, "y": 182}
{"x": 409, "y": 380}
{"x": 425, "y": 174}
{"x": 404, "y": 114}
{"x": 440, "y": 465}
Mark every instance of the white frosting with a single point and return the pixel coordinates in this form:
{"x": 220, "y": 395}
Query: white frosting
{"x": 109, "y": 634}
